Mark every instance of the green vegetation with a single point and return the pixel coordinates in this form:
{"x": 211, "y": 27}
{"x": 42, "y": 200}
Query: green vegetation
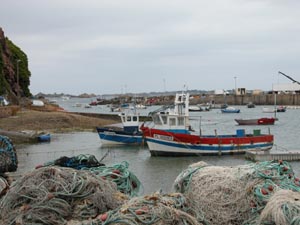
{"x": 24, "y": 73}
{"x": 2, "y": 80}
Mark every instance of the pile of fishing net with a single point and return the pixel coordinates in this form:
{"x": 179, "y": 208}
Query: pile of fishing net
{"x": 126, "y": 181}
{"x": 4, "y": 186}
{"x": 8, "y": 155}
{"x": 237, "y": 195}
{"x": 154, "y": 209}
{"x": 54, "y": 195}
{"x": 76, "y": 162}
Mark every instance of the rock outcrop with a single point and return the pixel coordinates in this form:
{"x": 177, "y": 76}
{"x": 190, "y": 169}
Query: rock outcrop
{"x": 14, "y": 73}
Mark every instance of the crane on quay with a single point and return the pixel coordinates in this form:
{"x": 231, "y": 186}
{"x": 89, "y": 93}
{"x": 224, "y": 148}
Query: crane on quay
{"x": 294, "y": 81}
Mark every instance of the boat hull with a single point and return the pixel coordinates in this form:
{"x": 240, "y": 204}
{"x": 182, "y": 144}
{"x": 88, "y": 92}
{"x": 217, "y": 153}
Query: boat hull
{"x": 44, "y": 138}
{"x": 230, "y": 110}
{"x": 261, "y": 121}
{"x": 118, "y": 137}
{"x": 163, "y": 143}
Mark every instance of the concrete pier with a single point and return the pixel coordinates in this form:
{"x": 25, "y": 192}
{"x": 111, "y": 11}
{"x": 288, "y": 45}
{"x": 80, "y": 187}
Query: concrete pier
{"x": 269, "y": 156}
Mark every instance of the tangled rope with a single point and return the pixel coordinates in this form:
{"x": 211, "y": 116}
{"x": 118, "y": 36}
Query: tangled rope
{"x": 155, "y": 209}
{"x": 234, "y": 195}
{"x": 126, "y": 181}
{"x": 283, "y": 208}
{"x": 8, "y": 155}
{"x": 53, "y": 195}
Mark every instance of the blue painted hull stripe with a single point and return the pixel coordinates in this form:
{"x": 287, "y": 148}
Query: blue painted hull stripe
{"x": 210, "y": 147}
{"x": 130, "y": 139}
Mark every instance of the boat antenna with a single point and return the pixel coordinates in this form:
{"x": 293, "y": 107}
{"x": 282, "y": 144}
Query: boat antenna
{"x": 200, "y": 132}
{"x": 275, "y": 101}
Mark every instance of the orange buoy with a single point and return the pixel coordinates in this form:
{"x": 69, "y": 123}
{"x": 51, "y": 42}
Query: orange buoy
{"x": 103, "y": 217}
{"x": 270, "y": 188}
{"x": 264, "y": 191}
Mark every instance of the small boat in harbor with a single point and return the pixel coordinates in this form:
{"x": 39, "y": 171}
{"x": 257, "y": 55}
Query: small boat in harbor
{"x": 195, "y": 108}
{"x": 281, "y": 109}
{"x": 198, "y": 108}
{"x": 166, "y": 143}
{"x": 268, "y": 110}
{"x": 259, "y": 121}
{"x": 140, "y": 106}
{"x": 129, "y": 133}
{"x": 273, "y": 110}
{"x": 250, "y": 105}
{"x": 44, "y": 137}
{"x": 230, "y": 110}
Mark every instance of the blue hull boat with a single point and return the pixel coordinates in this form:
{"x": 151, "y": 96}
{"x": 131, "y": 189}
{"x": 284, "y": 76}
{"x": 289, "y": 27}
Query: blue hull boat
{"x": 44, "y": 138}
{"x": 110, "y": 136}
{"x": 129, "y": 133}
{"x": 230, "y": 110}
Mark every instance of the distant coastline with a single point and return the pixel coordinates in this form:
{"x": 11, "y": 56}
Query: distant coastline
{"x": 162, "y": 98}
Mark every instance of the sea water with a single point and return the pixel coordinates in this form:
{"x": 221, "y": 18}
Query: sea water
{"x": 159, "y": 173}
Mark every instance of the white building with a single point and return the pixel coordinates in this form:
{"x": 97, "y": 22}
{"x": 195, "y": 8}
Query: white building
{"x": 291, "y": 87}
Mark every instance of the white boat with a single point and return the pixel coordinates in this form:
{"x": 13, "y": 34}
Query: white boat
{"x": 268, "y": 110}
{"x": 195, "y": 108}
{"x": 140, "y": 106}
{"x": 174, "y": 118}
{"x": 230, "y": 110}
{"x": 38, "y": 103}
{"x": 77, "y": 105}
{"x": 65, "y": 98}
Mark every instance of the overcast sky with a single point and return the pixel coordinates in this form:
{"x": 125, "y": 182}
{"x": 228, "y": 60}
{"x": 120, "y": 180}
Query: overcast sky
{"x": 118, "y": 46}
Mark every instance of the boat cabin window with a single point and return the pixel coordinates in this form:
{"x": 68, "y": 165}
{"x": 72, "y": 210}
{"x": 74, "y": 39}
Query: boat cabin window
{"x": 134, "y": 118}
{"x": 128, "y": 118}
{"x": 180, "y": 121}
{"x": 156, "y": 120}
{"x": 172, "y": 121}
{"x": 164, "y": 119}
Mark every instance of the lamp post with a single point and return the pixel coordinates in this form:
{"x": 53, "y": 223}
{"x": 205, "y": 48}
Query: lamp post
{"x": 18, "y": 84}
{"x": 235, "y": 90}
{"x": 235, "y": 85}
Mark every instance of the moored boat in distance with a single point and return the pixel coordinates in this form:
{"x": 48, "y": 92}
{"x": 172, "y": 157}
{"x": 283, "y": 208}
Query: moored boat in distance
{"x": 164, "y": 143}
{"x": 195, "y": 108}
{"x": 259, "y": 121}
{"x": 281, "y": 109}
{"x": 198, "y": 108}
{"x": 140, "y": 106}
{"x": 230, "y": 110}
{"x": 128, "y": 133}
{"x": 44, "y": 137}
{"x": 250, "y": 105}
{"x": 268, "y": 110}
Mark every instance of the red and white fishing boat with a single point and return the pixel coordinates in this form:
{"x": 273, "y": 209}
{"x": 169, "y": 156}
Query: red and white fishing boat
{"x": 259, "y": 121}
{"x": 171, "y": 135}
{"x": 166, "y": 143}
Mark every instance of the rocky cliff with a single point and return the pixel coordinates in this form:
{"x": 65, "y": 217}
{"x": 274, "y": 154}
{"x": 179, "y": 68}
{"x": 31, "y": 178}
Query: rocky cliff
{"x": 14, "y": 72}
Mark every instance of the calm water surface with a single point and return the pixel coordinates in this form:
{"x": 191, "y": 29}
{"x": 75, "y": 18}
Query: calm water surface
{"x": 157, "y": 173}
